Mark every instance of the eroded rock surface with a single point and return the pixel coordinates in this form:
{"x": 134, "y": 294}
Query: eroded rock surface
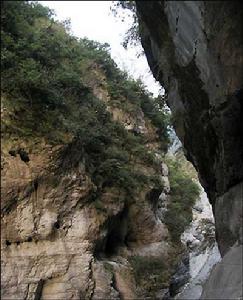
{"x": 58, "y": 243}
{"x": 194, "y": 48}
{"x": 225, "y": 281}
{"x": 199, "y": 238}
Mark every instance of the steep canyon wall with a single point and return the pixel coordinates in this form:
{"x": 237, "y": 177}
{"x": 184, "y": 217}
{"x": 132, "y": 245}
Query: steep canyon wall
{"x": 195, "y": 50}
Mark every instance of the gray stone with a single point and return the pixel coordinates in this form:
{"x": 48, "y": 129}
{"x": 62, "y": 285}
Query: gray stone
{"x": 225, "y": 281}
{"x": 229, "y": 216}
{"x": 195, "y": 50}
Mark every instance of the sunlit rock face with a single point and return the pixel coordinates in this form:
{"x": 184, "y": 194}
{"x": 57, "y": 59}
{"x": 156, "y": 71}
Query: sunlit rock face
{"x": 194, "y": 48}
{"x": 56, "y": 243}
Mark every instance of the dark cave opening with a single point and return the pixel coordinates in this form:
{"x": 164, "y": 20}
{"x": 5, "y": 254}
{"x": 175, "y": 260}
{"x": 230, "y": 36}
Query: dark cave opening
{"x": 114, "y": 240}
{"x": 116, "y": 236}
{"x": 56, "y": 225}
{"x": 8, "y": 243}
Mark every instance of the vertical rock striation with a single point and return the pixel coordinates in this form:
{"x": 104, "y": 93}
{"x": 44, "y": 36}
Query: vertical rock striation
{"x": 194, "y": 48}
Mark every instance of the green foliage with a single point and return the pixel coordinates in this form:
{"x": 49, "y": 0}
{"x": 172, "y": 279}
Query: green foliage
{"x": 45, "y": 76}
{"x": 132, "y": 37}
{"x": 128, "y": 91}
{"x": 155, "y": 110}
{"x": 46, "y": 68}
{"x": 156, "y": 181}
{"x": 184, "y": 192}
{"x": 151, "y": 273}
{"x": 134, "y": 91}
{"x": 99, "y": 206}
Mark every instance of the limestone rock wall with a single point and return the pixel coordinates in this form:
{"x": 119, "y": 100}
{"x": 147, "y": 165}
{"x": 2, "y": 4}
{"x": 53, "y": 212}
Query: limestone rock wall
{"x": 58, "y": 244}
{"x": 194, "y": 48}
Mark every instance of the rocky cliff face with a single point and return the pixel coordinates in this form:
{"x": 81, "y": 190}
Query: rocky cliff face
{"x": 82, "y": 168}
{"x": 195, "y": 50}
{"x": 63, "y": 240}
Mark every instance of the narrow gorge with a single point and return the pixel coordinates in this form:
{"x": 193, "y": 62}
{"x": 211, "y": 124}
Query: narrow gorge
{"x": 98, "y": 198}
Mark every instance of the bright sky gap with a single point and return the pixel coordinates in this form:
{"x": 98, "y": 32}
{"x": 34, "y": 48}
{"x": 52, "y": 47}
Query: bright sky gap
{"x": 94, "y": 20}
